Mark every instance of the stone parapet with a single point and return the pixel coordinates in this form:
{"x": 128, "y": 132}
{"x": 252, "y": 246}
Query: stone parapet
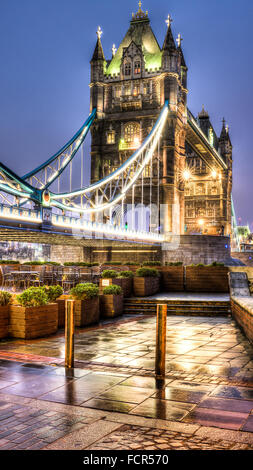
{"x": 242, "y": 311}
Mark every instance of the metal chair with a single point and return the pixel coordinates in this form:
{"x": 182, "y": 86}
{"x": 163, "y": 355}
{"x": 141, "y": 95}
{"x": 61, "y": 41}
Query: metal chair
{"x": 70, "y": 278}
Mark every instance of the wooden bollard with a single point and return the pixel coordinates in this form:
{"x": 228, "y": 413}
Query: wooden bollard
{"x": 69, "y": 334}
{"x": 161, "y": 323}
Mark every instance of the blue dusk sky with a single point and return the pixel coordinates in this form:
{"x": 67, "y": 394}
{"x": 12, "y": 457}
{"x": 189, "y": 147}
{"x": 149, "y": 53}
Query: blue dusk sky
{"x": 46, "y": 47}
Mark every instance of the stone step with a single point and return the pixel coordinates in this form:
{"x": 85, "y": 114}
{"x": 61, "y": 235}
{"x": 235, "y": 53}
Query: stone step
{"x": 194, "y": 308}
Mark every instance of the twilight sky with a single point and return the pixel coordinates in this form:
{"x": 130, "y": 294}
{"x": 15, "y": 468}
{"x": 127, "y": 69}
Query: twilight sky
{"x": 46, "y": 46}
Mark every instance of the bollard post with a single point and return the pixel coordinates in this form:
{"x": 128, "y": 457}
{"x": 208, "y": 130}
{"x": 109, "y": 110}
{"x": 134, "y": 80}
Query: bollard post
{"x": 69, "y": 334}
{"x": 161, "y": 323}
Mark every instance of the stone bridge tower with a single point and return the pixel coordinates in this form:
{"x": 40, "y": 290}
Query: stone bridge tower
{"x": 129, "y": 91}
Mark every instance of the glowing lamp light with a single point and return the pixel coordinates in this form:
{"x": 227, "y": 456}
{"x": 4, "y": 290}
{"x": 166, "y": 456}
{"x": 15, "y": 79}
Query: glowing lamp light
{"x": 137, "y": 141}
{"x": 186, "y": 175}
{"x": 46, "y": 197}
{"x": 201, "y": 222}
{"x": 214, "y": 174}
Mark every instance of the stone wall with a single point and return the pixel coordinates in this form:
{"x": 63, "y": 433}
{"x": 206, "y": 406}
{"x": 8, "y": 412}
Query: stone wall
{"x": 244, "y": 269}
{"x": 246, "y": 258}
{"x": 66, "y": 253}
{"x": 195, "y": 249}
{"x": 242, "y": 311}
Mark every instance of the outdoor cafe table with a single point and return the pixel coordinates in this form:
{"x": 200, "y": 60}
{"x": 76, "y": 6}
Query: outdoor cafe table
{"x": 27, "y": 275}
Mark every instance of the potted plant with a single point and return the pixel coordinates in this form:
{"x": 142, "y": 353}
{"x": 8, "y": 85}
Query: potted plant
{"x": 33, "y": 316}
{"x": 54, "y": 294}
{"x": 173, "y": 277}
{"x": 5, "y": 300}
{"x": 153, "y": 264}
{"x": 207, "y": 278}
{"x": 125, "y": 281}
{"x": 86, "y": 306}
{"x": 106, "y": 278}
{"x": 112, "y": 301}
{"x": 146, "y": 282}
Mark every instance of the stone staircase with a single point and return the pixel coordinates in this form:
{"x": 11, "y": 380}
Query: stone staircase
{"x": 178, "y": 307}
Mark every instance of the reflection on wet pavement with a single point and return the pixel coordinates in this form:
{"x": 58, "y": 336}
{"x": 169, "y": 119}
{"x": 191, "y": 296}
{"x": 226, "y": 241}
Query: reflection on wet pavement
{"x": 209, "y": 371}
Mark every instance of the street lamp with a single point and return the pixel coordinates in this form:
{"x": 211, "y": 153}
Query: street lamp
{"x": 186, "y": 174}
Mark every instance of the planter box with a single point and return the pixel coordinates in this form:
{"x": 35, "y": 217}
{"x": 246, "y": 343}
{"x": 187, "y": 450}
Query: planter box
{"x": 33, "y": 322}
{"x": 207, "y": 279}
{"x": 125, "y": 283}
{"x": 4, "y": 321}
{"x": 173, "y": 279}
{"x": 145, "y": 286}
{"x": 86, "y": 312}
{"x": 61, "y": 309}
{"x": 61, "y": 312}
{"x": 111, "y": 305}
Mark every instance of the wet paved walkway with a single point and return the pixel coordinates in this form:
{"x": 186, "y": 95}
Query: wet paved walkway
{"x": 112, "y": 399}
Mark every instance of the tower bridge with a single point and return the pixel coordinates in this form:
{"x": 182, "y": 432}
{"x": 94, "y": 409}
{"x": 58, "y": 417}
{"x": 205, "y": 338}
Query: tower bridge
{"x": 157, "y": 172}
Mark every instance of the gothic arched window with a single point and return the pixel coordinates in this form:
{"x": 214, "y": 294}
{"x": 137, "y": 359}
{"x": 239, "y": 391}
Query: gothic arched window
{"x": 137, "y": 67}
{"x": 128, "y": 69}
{"x": 131, "y": 132}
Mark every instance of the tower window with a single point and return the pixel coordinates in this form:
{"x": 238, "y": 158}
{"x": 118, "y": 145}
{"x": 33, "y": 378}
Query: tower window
{"x": 111, "y": 137}
{"x": 127, "y": 90}
{"x": 137, "y": 67}
{"x": 136, "y": 90}
{"x": 132, "y": 133}
{"x": 128, "y": 69}
{"x": 146, "y": 88}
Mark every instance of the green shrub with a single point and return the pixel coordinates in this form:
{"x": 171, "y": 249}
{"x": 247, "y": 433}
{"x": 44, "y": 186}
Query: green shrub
{"x": 200, "y": 265}
{"x": 84, "y": 291}
{"x": 5, "y": 298}
{"x": 177, "y": 263}
{"x": 152, "y": 263}
{"x": 34, "y": 263}
{"x": 147, "y": 272}
{"x": 33, "y": 297}
{"x": 215, "y": 263}
{"x": 53, "y": 292}
{"x": 52, "y": 263}
{"x": 9, "y": 261}
{"x": 112, "y": 290}
{"x": 113, "y": 263}
{"x": 126, "y": 274}
{"x": 109, "y": 274}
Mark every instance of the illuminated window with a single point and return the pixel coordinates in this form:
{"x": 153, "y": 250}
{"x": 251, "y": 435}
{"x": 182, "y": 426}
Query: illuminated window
{"x": 200, "y": 189}
{"x": 132, "y": 132}
{"x": 111, "y": 137}
{"x": 136, "y": 90}
{"x": 146, "y": 88}
{"x": 137, "y": 67}
{"x": 128, "y": 69}
{"x": 147, "y": 172}
{"x": 127, "y": 90}
{"x": 117, "y": 91}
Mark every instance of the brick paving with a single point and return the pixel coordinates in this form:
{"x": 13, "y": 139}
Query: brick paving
{"x": 208, "y": 386}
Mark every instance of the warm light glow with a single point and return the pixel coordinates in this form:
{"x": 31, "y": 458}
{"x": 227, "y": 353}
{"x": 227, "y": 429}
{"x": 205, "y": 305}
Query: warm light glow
{"x": 201, "y": 222}
{"x": 137, "y": 141}
{"x": 214, "y": 174}
{"x": 186, "y": 175}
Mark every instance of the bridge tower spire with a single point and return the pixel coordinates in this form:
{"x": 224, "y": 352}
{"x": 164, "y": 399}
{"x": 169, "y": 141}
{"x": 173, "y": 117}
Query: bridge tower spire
{"x": 97, "y": 74}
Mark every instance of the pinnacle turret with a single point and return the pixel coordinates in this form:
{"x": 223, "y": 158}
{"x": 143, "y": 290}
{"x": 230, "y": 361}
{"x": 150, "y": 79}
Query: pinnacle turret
{"x": 98, "y": 52}
{"x": 169, "y": 43}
